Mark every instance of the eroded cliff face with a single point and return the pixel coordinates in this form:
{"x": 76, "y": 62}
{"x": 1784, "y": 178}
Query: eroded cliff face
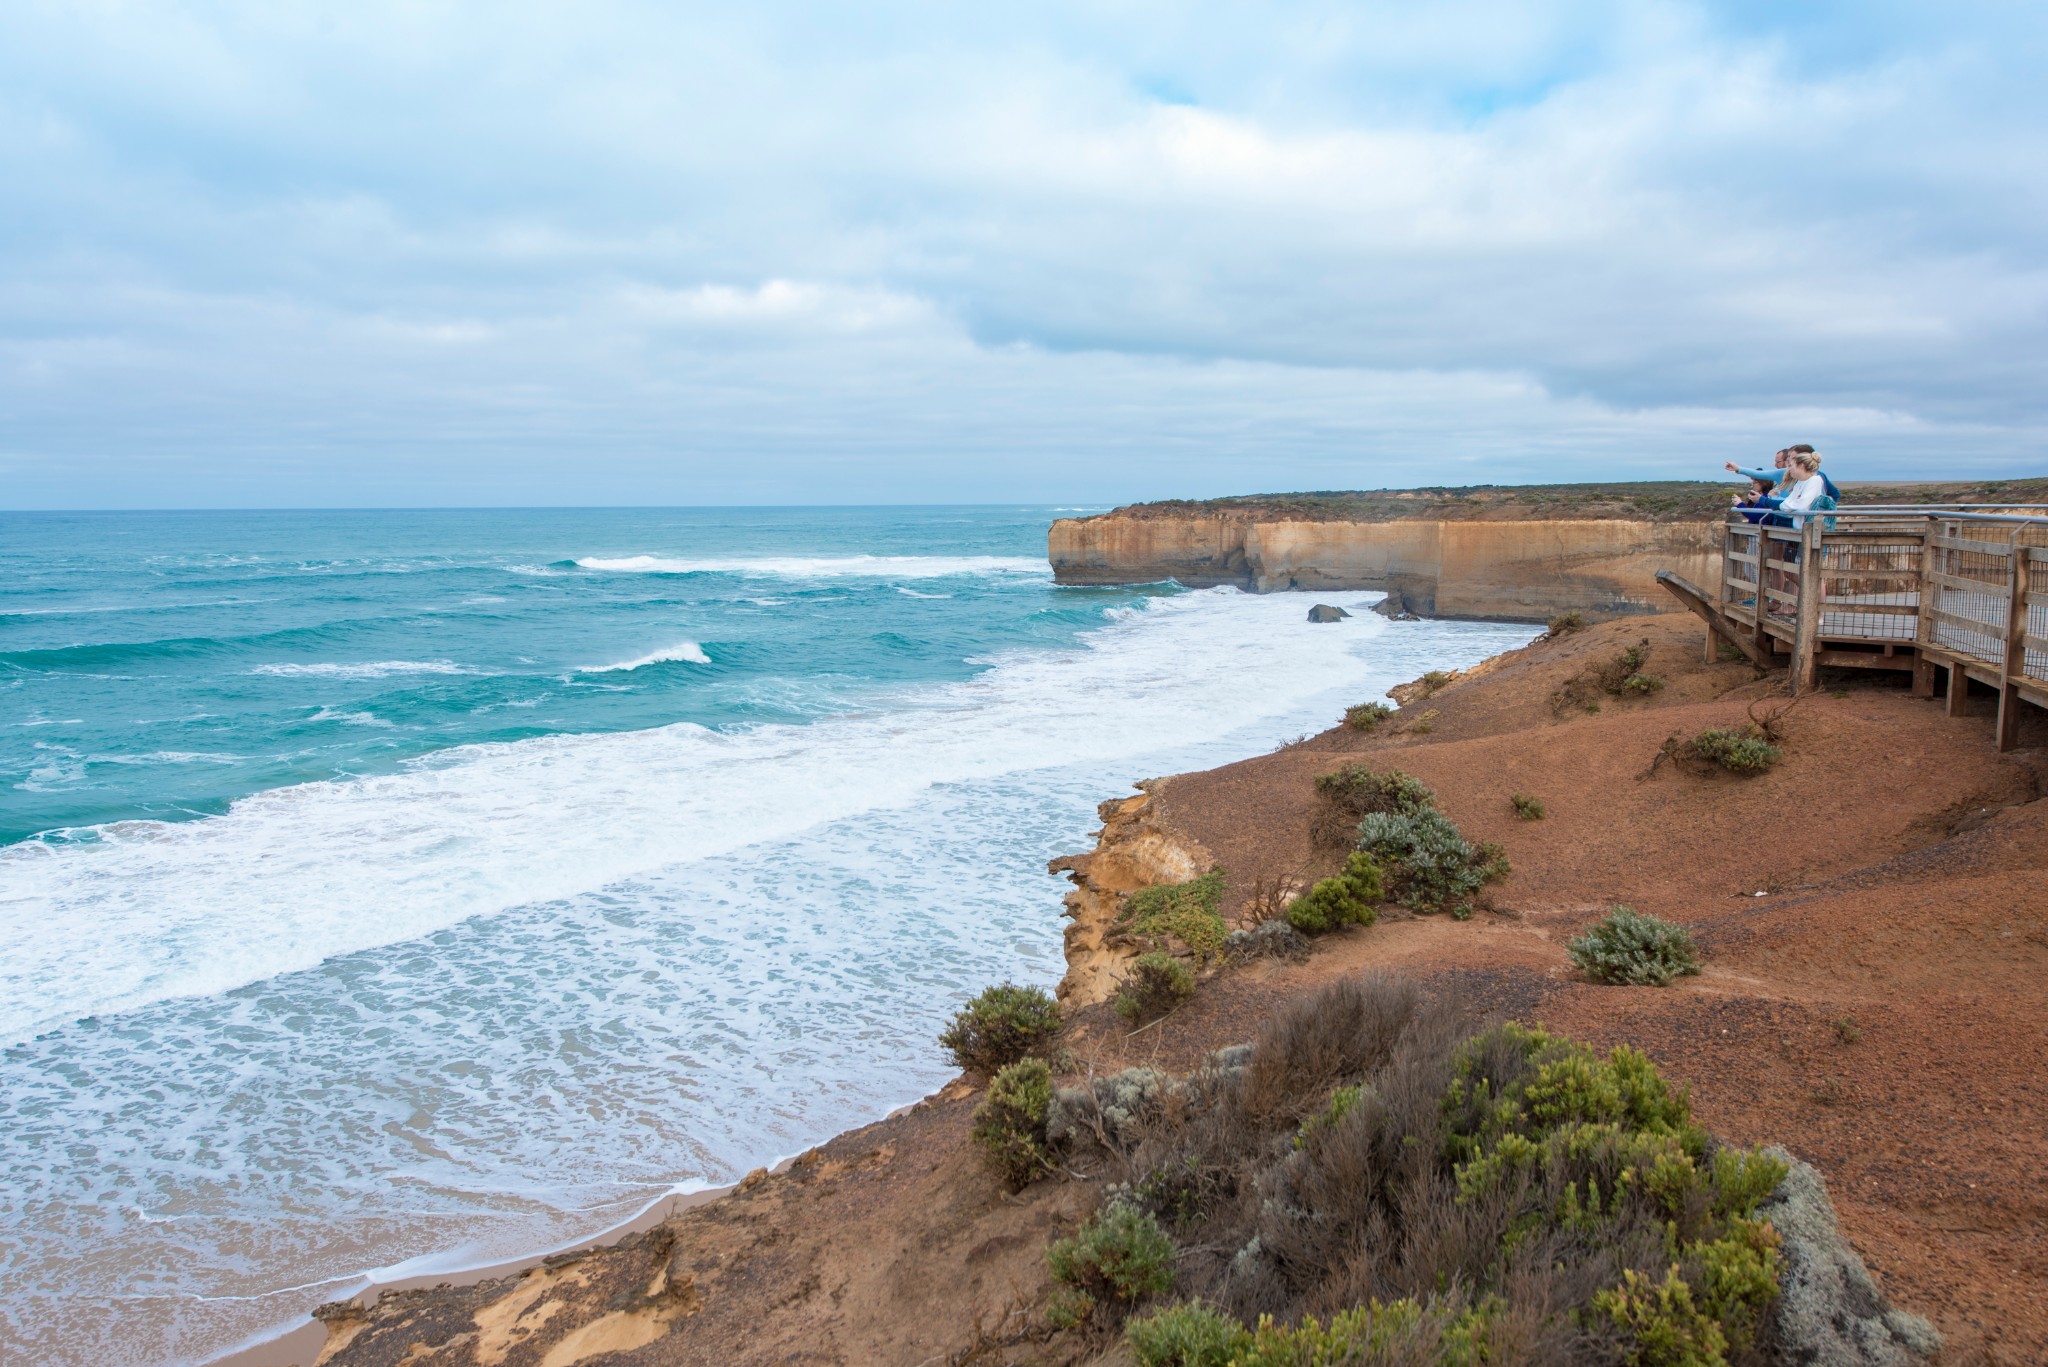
{"x": 1134, "y": 849}
{"x": 1518, "y": 570}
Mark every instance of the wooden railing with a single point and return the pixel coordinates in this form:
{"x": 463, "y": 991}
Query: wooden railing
{"x": 1922, "y": 589}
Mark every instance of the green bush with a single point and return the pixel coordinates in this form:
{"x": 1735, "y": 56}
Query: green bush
{"x": 1355, "y": 792}
{"x": 1348, "y": 898}
{"x": 1000, "y": 1026}
{"x": 1435, "y": 868}
{"x": 1528, "y": 808}
{"x": 1366, "y": 715}
{"x": 1192, "y": 1334}
{"x": 1187, "y": 911}
{"x": 1565, "y": 623}
{"x": 1641, "y": 684}
{"x": 1156, "y": 983}
{"x": 1746, "y": 751}
{"x": 1010, "y": 1122}
{"x": 1120, "y": 1256}
{"x": 1636, "y": 950}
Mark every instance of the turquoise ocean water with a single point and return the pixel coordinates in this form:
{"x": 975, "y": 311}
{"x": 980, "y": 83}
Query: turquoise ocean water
{"x": 394, "y": 890}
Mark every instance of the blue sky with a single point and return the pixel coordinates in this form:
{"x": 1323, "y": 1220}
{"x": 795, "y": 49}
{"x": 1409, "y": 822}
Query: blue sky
{"x": 420, "y": 253}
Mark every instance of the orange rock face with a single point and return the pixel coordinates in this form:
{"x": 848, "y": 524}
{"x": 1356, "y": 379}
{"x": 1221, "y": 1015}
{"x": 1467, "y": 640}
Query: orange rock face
{"x": 1521, "y": 570}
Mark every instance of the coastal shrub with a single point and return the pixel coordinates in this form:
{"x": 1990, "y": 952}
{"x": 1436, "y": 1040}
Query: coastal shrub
{"x": 1621, "y": 676}
{"x": 1348, "y": 898}
{"x": 1191, "y": 1334}
{"x": 1366, "y": 715}
{"x": 1119, "y": 1256}
{"x": 1426, "y": 723}
{"x": 1633, "y": 949}
{"x": 1010, "y": 1122}
{"x": 1356, "y": 791}
{"x": 1000, "y": 1026}
{"x": 1434, "y": 682}
{"x": 1187, "y": 911}
{"x": 1528, "y": 808}
{"x": 1743, "y": 751}
{"x": 1155, "y": 984}
{"x": 1565, "y": 623}
{"x": 1379, "y": 1184}
{"x": 1432, "y": 867}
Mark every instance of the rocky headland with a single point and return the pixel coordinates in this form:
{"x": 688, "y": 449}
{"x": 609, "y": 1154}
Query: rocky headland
{"x": 1874, "y": 982}
{"x": 1488, "y": 552}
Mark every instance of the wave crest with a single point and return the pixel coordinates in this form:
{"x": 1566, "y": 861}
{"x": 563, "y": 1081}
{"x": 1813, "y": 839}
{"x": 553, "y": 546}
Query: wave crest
{"x": 824, "y": 566}
{"x": 683, "y": 652}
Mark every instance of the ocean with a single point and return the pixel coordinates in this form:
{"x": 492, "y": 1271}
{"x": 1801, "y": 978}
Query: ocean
{"x": 403, "y": 891}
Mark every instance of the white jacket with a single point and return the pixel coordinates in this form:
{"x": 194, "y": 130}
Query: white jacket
{"x": 1803, "y": 496}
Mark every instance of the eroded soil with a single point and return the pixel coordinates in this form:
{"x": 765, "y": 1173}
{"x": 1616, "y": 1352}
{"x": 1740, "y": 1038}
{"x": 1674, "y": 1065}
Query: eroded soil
{"x": 1873, "y": 917}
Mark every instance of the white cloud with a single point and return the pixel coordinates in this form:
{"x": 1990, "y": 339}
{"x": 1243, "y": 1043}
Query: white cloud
{"x": 519, "y": 253}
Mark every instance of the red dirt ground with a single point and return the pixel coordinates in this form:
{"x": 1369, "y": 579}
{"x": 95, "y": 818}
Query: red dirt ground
{"x": 1878, "y": 1009}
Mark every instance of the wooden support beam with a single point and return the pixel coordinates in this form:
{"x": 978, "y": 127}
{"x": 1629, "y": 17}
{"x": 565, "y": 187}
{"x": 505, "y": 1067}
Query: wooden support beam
{"x": 1806, "y": 629}
{"x": 1696, "y": 599}
{"x": 1923, "y": 628}
{"x": 1958, "y": 689}
{"x": 2015, "y": 668}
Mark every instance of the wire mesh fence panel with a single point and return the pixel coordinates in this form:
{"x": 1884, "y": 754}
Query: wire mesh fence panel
{"x": 1739, "y": 566}
{"x": 2034, "y": 663}
{"x": 1870, "y": 585}
{"x": 1969, "y": 593}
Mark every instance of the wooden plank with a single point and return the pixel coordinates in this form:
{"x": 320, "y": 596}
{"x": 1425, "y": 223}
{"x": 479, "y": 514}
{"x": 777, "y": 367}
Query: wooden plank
{"x": 1685, "y": 592}
{"x": 1864, "y": 659}
{"x": 1923, "y": 632}
{"x": 2001, "y": 549}
{"x": 1995, "y": 588}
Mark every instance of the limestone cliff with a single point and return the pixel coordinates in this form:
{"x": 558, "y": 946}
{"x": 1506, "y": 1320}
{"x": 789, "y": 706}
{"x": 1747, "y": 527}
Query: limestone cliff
{"x": 1134, "y": 849}
{"x": 1525, "y": 569}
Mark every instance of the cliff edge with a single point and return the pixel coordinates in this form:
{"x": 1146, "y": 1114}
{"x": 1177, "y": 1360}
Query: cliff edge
{"x": 1510, "y": 553}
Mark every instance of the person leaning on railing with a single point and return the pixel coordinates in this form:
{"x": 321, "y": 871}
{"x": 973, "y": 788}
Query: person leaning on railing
{"x": 1780, "y": 478}
{"x": 1808, "y": 496}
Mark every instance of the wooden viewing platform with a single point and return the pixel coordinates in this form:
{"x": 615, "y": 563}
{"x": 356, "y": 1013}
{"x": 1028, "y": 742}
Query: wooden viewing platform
{"x": 1958, "y": 588}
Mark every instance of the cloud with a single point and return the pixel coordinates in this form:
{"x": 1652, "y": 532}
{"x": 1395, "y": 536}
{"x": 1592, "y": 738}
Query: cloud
{"x": 439, "y": 253}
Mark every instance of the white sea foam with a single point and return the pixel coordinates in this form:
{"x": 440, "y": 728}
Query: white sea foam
{"x": 369, "y": 669}
{"x": 913, "y": 593}
{"x": 685, "y": 652}
{"x": 827, "y": 566}
{"x": 287, "y": 877}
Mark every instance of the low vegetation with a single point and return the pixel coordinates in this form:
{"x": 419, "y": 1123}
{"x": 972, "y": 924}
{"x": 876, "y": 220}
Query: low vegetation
{"x": 1373, "y": 1182}
{"x": 1743, "y": 751}
{"x": 1009, "y": 1125}
{"x": 1423, "y": 862}
{"x": 1118, "y": 1258}
{"x": 1000, "y": 1026}
{"x": 1189, "y": 912}
{"x": 1366, "y": 715}
{"x": 1564, "y": 624}
{"x": 1426, "y": 723}
{"x": 1622, "y": 676}
{"x": 1351, "y": 897}
{"x": 1633, "y": 949}
{"x": 1528, "y": 808}
{"x": 1154, "y": 984}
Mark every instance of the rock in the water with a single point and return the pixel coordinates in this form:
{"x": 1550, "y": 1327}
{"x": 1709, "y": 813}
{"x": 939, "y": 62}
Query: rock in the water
{"x": 1324, "y": 612}
{"x": 1831, "y": 1313}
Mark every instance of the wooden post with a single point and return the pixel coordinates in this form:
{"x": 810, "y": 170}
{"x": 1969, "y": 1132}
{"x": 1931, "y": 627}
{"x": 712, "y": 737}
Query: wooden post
{"x": 2014, "y": 668}
{"x": 1923, "y": 623}
{"x": 1958, "y": 689}
{"x": 1806, "y": 629}
{"x": 1712, "y": 653}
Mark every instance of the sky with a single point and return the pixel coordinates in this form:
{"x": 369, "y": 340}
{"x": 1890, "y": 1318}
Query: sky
{"x": 421, "y": 254}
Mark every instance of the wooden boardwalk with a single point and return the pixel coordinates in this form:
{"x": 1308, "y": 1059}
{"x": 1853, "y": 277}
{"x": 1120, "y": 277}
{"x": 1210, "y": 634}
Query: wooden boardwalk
{"x": 1960, "y": 591}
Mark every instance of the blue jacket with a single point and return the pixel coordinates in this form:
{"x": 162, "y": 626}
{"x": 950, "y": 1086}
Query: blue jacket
{"x": 1774, "y": 476}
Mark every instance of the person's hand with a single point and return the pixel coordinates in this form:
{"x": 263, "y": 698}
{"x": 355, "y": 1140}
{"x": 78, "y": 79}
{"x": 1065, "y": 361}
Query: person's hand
{"x": 1730, "y": 466}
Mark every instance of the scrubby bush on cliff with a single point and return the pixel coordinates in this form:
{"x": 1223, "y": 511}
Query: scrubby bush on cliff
{"x": 1742, "y": 751}
{"x": 1432, "y": 867}
{"x": 1010, "y": 1122}
{"x": 1434, "y": 1196}
{"x": 1356, "y": 791}
{"x": 1348, "y": 898}
{"x": 1565, "y": 623}
{"x": 1630, "y": 948}
{"x": 1526, "y": 807}
{"x": 1186, "y": 911}
{"x": 1366, "y": 715}
{"x": 1154, "y": 984}
{"x": 1118, "y": 1258}
{"x": 1621, "y": 676}
{"x": 1000, "y": 1026}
